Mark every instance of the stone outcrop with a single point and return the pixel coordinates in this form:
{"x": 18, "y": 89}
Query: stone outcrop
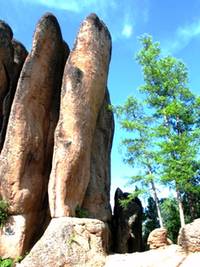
{"x": 189, "y": 236}
{"x": 56, "y": 132}
{"x": 127, "y": 224}
{"x": 82, "y": 95}
{"x": 25, "y": 159}
{"x": 158, "y": 238}
{"x": 70, "y": 242}
{"x": 97, "y": 198}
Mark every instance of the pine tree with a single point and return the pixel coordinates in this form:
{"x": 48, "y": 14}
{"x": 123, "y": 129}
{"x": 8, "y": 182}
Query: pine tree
{"x": 176, "y": 110}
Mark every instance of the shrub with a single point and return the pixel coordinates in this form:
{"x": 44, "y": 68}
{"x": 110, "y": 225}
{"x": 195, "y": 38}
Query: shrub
{"x": 3, "y": 212}
{"x": 6, "y": 262}
{"x": 81, "y": 213}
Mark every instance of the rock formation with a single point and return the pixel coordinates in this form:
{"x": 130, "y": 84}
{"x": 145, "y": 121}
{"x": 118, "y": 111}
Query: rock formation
{"x": 6, "y": 63}
{"x": 24, "y": 166}
{"x": 127, "y": 224}
{"x": 158, "y": 238}
{"x": 96, "y": 201}
{"x": 56, "y": 133}
{"x": 82, "y": 95}
{"x": 189, "y": 236}
{"x": 70, "y": 242}
{"x": 20, "y": 54}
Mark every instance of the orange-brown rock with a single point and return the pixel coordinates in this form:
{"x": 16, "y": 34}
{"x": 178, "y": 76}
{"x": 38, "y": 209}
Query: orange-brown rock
{"x": 82, "y": 95}
{"x": 24, "y": 160}
{"x": 158, "y": 238}
{"x": 189, "y": 236}
{"x": 6, "y": 63}
{"x": 97, "y": 198}
{"x": 20, "y": 54}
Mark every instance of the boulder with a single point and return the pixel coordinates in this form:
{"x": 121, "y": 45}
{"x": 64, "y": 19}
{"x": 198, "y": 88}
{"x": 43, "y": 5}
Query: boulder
{"x": 158, "y": 238}
{"x": 127, "y": 224}
{"x": 70, "y": 242}
{"x": 26, "y": 156}
{"x": 189, "y": 236}
{"x": 97, "y": 198}
{"x": 82, "y": 95}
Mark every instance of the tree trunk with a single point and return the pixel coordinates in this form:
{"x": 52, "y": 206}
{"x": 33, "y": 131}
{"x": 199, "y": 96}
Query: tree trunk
{"x": 180, "y": 205}
{"x": 157, "y": 204}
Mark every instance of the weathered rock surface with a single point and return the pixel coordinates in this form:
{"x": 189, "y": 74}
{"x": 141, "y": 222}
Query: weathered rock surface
{"x": 189, "y": 236}
{"x": 24, "y": 168}
{"x": 158, "y": 238}
{"x": 127, "y": 224}
{"x": 70, "y": 242}
{"x": 6, "y": 63}
{"x": 97, "y": 198}
{"x": 170, "y": 256}
{"x": 20, "y": 54}
{"x": 82, "y": 95}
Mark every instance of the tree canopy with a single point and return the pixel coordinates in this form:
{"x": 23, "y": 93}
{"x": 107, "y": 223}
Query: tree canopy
{"x": 163, "y": 130}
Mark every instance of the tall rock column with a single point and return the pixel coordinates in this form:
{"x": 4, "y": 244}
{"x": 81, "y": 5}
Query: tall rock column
{"x": 6, "y": 63}
{"x": 26, "y": 151}
{"x": 20, "y": 54}
{"x": 82, "y": 94}
{"x": 97, "y": 198}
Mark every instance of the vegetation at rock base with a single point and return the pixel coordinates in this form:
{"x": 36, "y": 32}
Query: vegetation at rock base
{"x": 6, "y": 262}
{"x": 3, "y": 212}
{"x": 163, "y": 136}
{"x": 81, "y": 212}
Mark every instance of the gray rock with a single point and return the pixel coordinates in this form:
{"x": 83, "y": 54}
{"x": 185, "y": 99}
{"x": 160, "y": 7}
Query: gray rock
{"x": 127, "y": 224}
{"x": 70, "y": 242}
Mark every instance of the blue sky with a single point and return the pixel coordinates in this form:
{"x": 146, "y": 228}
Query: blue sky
{"x": 174, "y": 23}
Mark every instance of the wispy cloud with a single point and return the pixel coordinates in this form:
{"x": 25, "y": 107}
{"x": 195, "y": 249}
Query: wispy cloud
{"x": 74, "y": 5}
{"x": 127, "y": 30}
{"x": 183, "y": 36}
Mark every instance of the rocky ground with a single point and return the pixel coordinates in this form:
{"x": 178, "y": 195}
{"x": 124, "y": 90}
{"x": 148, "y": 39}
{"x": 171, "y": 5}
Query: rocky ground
{"x": 169, "y": 256}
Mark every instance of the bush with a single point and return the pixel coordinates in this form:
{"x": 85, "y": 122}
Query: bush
{"x": 6, "y": 262}
{"x": 3, "y": 213}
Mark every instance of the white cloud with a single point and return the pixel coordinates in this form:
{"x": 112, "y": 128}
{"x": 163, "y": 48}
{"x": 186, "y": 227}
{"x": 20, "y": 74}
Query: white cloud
{"x": 183, "y": 36}
{"x": 76, "y": 6}
{"x": 127, "y": 30}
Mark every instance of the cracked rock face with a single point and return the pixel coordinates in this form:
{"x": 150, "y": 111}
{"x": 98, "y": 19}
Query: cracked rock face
{"x": 25, "y": 159}
{"x": 97, "y": 198}
{"x": 70, "y": 242}
{"x": 82, "y": 95}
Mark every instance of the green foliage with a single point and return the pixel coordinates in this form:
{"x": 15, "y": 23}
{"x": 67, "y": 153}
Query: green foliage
{"x": 176, "y": 110}
{"x": 150, "y": 219}
{"x": 170, "y": 214}
{"x": 81, "y": 212}
{"x": 125, "y": 202}
{"x": 3, "y": 212}
{"x": 6, "y": 262}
